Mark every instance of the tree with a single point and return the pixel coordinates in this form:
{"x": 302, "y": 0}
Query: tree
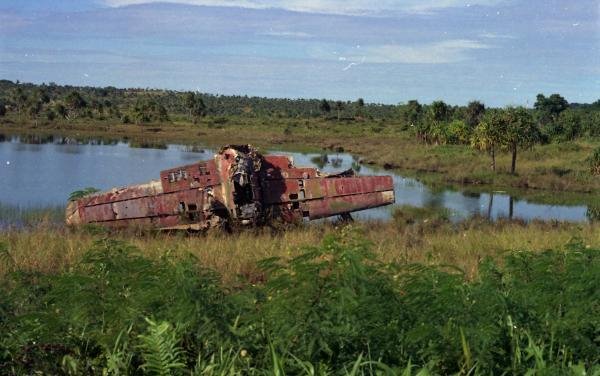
{"x": 360, "y": 104}
{"x": 19, "y": 98}
{"x": 457, "y": 132}
{"x": 487, "y": 135}
{"x": 474, "y": 113}
{"x": 199, "y": 109}
{"x": 324, "y": 106}
{"x": 566, "y": 127}
{"x": 2, "y": 107}
{"x": 439, "y": 111}
{"x": 61, "y": 110}
{"x": 412, "y": 113}
{"x": 339, "y": 107}
{"x": 42, "y": 95}
{"x": 190, "y": 102}
{"x": 74, "y": 102}
{"x": 50, "y": 115}
{"x": 521, "y": 132}
{"x": 34, "y": 109}
{"x": 549, "y": 108}
{"x": 147, "y": 110}
{"x": 195, "y": 105}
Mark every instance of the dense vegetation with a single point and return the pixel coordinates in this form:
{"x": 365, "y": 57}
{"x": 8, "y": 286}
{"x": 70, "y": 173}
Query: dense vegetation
{"x": 436, "y": 122}
{"x": 332, "y": 309}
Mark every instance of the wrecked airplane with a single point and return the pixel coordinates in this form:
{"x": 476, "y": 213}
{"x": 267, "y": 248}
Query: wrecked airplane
{"x": 239, "y": 187}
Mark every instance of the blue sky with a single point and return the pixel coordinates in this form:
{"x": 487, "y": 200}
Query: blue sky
{"x": 502, "y": 52}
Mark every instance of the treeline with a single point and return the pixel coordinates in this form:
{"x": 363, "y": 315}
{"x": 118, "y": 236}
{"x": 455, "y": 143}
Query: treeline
{"x": 435, "y": 122}
{"x": 48, "y": 102}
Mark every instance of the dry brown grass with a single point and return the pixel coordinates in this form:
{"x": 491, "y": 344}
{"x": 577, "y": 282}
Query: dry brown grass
{"x": 232, "y": 255}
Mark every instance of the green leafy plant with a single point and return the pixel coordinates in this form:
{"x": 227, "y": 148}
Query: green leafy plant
{"x": 160, "y": 350}
{"x": 76, "y": 195}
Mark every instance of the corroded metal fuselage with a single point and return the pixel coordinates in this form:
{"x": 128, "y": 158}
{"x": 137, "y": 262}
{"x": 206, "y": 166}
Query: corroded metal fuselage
{"x": 237, "y": 187}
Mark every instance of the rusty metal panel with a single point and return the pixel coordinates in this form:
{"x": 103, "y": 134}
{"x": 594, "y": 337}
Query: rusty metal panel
{"x": 170, "y": 204}
{"x": 98, "y": 213}
{"x": 347, "y": 204}
{"x": 125, "y": 193}
{"x": 270, "y": 173}
{"x": 197, "y": 175}
{"x": 286, "y": 190}
{"x": 281, "y": 162}
{"x": 356, "y": 185}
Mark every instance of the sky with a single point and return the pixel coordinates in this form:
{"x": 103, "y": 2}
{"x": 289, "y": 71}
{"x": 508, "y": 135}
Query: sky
{"x": 501, "y": 52}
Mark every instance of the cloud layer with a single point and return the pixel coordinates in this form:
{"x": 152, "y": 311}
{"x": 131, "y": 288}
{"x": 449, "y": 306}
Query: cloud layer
{"x": 447, "y": 51}
{"x": 349, "y": 7}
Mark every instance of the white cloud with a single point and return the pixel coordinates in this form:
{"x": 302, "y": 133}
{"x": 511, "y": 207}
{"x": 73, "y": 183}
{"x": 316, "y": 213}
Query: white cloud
{"x": 496, "y": 36}
{"x": 348, "y": 7}
{"x": 449, "y": 51}
{"x": 287, "y": 34}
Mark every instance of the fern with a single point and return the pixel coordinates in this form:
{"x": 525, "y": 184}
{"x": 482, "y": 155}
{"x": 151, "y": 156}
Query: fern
{"x": 160, "y": 350}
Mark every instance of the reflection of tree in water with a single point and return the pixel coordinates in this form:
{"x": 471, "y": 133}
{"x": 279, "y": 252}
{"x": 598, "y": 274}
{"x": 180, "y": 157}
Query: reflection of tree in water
{"x": 32, "y": 139}
{"x": 320, "y": 160}
{"x": 469, "y": 200}
{"x": 336, "y": 162}
{"x": 2, "y": 138}
{"x": 593, "y": 213}
{"x": 490, "y": 205}
{"x": 434, "y": 199}
{"x": 146, "y": 144}
{"x": 356, "y": 162}
{"x": 192, "y": 149}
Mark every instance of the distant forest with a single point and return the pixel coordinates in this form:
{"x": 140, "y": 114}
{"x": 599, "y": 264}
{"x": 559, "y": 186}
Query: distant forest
{"x": 26, "y": 102}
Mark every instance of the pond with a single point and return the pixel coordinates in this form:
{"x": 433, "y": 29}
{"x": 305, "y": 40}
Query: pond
{"x": 38, "y": 172}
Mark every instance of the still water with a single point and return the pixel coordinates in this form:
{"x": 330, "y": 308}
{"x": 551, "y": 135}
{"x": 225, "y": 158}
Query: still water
{"x": 42, "y": 172}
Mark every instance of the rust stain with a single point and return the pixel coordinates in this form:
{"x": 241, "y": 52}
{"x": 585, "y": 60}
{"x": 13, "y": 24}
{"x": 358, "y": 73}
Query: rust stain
{"x": 237, "y": 187}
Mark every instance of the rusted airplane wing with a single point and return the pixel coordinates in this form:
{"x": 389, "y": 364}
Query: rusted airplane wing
{"x": 237, "y": 187}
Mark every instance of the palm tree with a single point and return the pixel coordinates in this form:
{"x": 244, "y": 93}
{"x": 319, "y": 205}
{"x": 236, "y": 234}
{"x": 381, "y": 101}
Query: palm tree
{"x": 487, "y": 135}
{"x": 521, "y": 132}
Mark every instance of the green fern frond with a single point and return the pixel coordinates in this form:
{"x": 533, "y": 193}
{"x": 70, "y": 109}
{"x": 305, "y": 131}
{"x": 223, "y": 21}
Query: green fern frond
{"x": 160, "y": 350}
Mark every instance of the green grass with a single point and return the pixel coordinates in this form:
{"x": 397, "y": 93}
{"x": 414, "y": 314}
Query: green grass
{"x": 330, "y": 308}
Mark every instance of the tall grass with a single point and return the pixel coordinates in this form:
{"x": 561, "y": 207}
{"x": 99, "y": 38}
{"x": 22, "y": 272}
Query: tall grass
{"x": 16, "y": 216}
{"x": 333, "y": 308}
{"x": 423, "y": 237}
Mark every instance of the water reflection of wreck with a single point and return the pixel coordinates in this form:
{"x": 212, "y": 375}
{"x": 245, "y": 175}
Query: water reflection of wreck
{"x": 238, "y": 187}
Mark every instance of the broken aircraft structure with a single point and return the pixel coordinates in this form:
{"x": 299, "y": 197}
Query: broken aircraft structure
{"x": 238, "y": 187}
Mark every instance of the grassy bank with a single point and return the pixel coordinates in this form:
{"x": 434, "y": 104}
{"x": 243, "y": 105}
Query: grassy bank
{"x": 329, "y": 304}
{"x": 556, "y": 167}
{"x": 414, "y": 236}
